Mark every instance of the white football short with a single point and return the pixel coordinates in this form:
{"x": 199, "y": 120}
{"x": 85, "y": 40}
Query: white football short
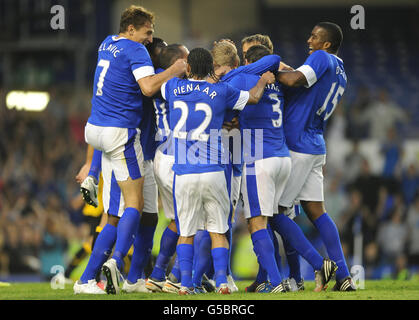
{"x": 113, "y": 201}
{"x": 235, "y": 190}
{"x": 164, "y": 174}
{"x": 263, "y": 182}
{"x": 201, "y": 202}
{"x": 150, "y": 191}
{"x": 121, "y": 147}
{"x": 306, "y": 179}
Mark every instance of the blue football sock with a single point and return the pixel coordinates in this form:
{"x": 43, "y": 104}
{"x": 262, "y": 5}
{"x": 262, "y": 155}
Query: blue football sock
{"x": 175, "y": 270}
{"x": 293, "y": 259}
{"x": 126, "y": 231}
{"x": 276, "y": 248}
{"x": 262, "y": 275}
{"x": 229, "y": 236}
{"x": 100, "y": 253}
{"x": 96, "y": 165}
{"x": 168, "y": 244}
{"x": 289, "y": 230}
{"x": 196, "y": 243}
{"x": 185, "y": 255}
{"x": 220, "y": 261}
{"x": 143, "y": 244}
{"x": 202, "y": 258}
{"x": 264, "y": 250}
{"x": 330, "y": 236}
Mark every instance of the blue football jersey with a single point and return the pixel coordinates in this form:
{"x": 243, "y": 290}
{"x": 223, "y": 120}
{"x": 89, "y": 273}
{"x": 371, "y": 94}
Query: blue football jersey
{"x": 264, "y": 64}
{"x": 148, "y": 130}
{"x": 308, "y": 108}
{"x": 117, "y": 98}
{"x": 261, "y": 125}
{"x": 164, "y": 129}
{"x": 197, "y": 111}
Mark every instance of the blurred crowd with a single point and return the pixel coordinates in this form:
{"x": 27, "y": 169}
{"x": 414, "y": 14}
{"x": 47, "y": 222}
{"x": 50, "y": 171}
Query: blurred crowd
{"x": 376, "y": 211}
{"x": 40, "y": 207}
{"x": 40, "y": 154}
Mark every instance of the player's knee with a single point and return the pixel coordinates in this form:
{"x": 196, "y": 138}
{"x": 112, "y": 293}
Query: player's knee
{"x": 113, "y": 220}
{"x": 172, "y": 226}
{"x": 313, "y": 209}
{"x": 257, "y": 223}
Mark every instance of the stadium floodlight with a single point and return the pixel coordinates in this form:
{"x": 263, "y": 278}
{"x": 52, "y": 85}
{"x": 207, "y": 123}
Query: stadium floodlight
{"x": 35, "y": 101}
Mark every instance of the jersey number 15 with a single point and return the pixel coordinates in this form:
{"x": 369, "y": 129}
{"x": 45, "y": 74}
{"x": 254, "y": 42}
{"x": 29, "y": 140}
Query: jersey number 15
{"x": 337, "y": 96}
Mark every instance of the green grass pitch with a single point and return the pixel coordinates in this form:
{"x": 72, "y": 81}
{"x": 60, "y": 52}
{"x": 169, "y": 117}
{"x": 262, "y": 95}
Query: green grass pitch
{"x": 374, "y": 290}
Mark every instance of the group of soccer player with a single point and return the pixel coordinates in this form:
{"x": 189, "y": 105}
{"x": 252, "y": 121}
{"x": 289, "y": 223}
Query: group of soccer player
{"x": 203, "y": 133}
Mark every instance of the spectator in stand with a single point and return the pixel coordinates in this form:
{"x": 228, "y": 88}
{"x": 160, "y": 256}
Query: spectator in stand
{"x": 367, "y": 184}
{"x": 53, "y": 248}
{"x": 353, "y": 163}
{"x": 410, "y": 183}
{"x": 413, "y": 233}
{"x": 357, "y": 218}
{"x": 392, "y": 152}
{"x": 391, "y": 237}
{"x": 381, "y": 115}
{"x": 356, "y": 128}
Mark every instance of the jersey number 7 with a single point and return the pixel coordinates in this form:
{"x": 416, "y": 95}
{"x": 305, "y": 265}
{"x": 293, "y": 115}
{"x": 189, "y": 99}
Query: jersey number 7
{"x": 105, "y": 65}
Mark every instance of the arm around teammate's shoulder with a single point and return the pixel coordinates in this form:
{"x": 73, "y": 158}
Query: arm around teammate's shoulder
{"x": 150, "y": 85}
{"x": 256, "y": 93}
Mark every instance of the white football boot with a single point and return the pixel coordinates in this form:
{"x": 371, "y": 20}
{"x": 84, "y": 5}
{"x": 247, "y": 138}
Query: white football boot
{"x": 113, "y": 275}
{"x": 89, "y": 190}
{"x": 87, "y": 288}
{"x": 232, "y": 284}
{"x": 138, "y": 287}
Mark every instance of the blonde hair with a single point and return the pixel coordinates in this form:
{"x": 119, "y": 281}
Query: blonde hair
{"x": 137, "y": 16}
{"x": 260, "y": 39}
{"x": 225, "y": 54}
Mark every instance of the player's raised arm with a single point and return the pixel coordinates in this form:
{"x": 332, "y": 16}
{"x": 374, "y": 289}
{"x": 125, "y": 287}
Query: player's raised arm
{"x": 255, "y": 94}
{"x": 150, "y": 85}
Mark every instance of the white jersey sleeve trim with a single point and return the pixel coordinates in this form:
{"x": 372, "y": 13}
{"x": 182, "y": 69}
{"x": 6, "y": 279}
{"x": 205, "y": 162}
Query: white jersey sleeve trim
{"x": 143, "y": 72}
{"x": 241, "y": 102}
{"x": 309, "y": 73}
{"x": 163, "y": 90}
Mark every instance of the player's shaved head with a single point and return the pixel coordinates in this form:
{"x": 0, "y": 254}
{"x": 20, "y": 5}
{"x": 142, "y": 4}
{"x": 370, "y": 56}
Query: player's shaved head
{"x": 225, "y": 54}
{"x": 136, "y": 16}
{"x": 200, "y": 63}
{"x": 333, "y": 34}
{"x": 171, "y": 53}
